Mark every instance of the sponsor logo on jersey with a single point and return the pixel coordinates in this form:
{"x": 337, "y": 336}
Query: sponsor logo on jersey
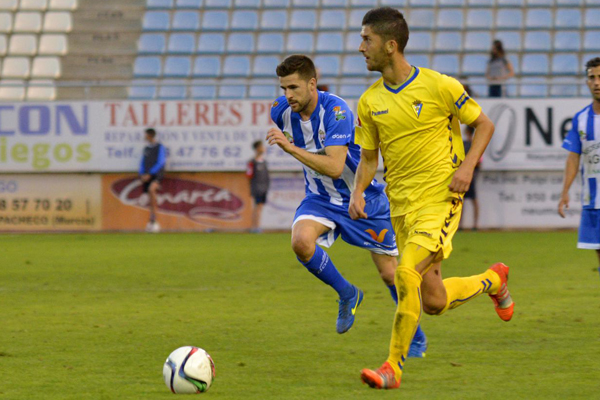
{"x": 582, "y": 135}
{"x": 377, "y": 237}
{"x": 423, "y": 233}
{"x": 339, "y": 113}
{"x": 382, "y": 112}
{"x": 417, "y": 106}
{"x": 339, "y": 136}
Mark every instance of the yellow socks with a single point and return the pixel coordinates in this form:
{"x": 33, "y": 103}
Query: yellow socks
{"x": 461, "y": 290}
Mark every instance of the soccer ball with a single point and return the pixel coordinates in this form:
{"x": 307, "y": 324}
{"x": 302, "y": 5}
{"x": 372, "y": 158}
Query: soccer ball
{"x": 189, "y": 370}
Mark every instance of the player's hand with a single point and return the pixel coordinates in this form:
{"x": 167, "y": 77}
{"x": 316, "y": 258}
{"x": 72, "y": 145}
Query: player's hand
{"x": 562, "y": 204}
{"x": 357, "y": 207}
{"x": 275, "y": 136}
{"x": 461, "y": 180}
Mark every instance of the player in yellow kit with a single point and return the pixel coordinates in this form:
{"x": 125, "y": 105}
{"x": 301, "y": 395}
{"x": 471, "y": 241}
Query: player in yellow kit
{"x": 412, "y": 115}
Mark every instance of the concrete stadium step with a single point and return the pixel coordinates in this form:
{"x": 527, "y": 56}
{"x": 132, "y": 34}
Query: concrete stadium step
{"x": 97, "y": 67}
{"x": 103, "y": 43}
{"x": 91, "y": 93}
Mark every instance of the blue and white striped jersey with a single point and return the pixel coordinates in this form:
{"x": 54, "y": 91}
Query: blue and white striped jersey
{"x": 584, "y": 139}
{"x": 331, "y": 124}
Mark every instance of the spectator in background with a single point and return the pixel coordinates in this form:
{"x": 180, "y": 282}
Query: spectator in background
{"x": 258, "y": 174}
{"x": 472, "y": 192}
{"x": 499, "y": 69}
{"x": 152, "y": 169}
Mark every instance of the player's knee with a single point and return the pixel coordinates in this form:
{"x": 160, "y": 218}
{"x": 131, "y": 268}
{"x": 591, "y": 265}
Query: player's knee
{"x": 303, "y": 246}
{"x": 433, "y": 305}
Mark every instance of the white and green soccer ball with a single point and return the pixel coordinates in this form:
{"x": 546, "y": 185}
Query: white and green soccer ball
{"x": 189, "y": 370}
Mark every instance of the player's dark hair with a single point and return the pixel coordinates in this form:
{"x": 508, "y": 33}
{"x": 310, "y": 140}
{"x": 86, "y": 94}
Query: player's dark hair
{"x": 151, "y": 132}
{"x": 594, "y": 62}
{"x": 257, "y": 144}
{"x": 297, "y": 63}
{"x": 388, "y": 23}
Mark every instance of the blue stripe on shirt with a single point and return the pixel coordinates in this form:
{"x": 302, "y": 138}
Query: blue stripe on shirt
{"x": 590, "y": 124}
{"x": 593, "y": 188}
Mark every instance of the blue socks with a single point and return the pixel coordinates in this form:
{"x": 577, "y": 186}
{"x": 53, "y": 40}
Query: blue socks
{"x": 393, "y": 293}
{"x": 320, "y": 265}
{"x": 419, "y": 334}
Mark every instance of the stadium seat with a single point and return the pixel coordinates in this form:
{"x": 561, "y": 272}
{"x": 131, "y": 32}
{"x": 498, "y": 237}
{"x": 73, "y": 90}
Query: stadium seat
{"x": 9, "y": 5}
{"x": 353, "y": 41}
{"x": 33, "y": 5}
{"x": 355, "y": 19}
{"x": 393, "y": 3}
{"x": 247, "y": 4}
{"x": 215, "y": 21}
{"x": 363, "y": 3}
{"x": 232, "y": 92}
{"x": 477, "y": 41}
{"x": 419, "y": 60}
{"x": 186, "y": 21}
{"x": 3, "y": 45}
{"x": 224, "y": 4}
{"x": 565, "y": 64}
{"x": 152, "y": 43}
{"x": 28, "y": 22}
{"x": 203, "y": 91}
{"x": 240, "y": 43}
{"x": 207, "y": 66}
{"x": 479, "y": 19}
{"x": 264, "y": 66}
{"x": 567, "y": 41}
{"x": 40, "y": 90}
{"x": 191, "y": 4}
{"x": 177, "y": 67}
{"x": 262, "y": 92}
{"x": 270, "y": 43}
{"x": 147, "y": 67}
{"x": 445, "y": 64}
{"x": 152, "y": 4}
{"x": 244, "y": 20}
{"x": 300, "y": 43}
{"x": 303, "y": 20}
{"x": 328, "y": 65}
{"x": 534, "y": 64}
{"x": 304, "y": 4}
{"x": 211, "y": 43}
{"x": 538, "y": 19}
{"x": 534, "y": 87}
{"x": 514, "y": 60}
{"x": 510, "y": 3}
{"x": 450, "y": 19}
{"x": 474, "y": 64}
{"x": 172, "y": 89}
{"x": 53, "y": 45}
{"x": 58, "y": 21}
{"x": 236, "y": 66}
{"x": 592, "y": 18}
{"x": 452, "y": 3}
{"x": 334, "y": 3}
{"x": 591, "y": 40}
{"x": 567, "y": 18}
{"x": 329, "y": 42}
{"x": 22, "y": 45}
{"x": 422, "y": 3}
{"x": 156, "y": 21}
{"x": 332, "y": 20}
{"x": 419, "y": 42}
{"x": 448, "y": 41}
{"x": 352, "y": 91}
{"x": 273, "y": 20}
{"x": 511, "y": 40}
{"x": 6, "y": 22}
{"x": 509, "y": 19}
{"x": 421, "y": 19}
{"x": 480, "y": 3}
{"x": 182, "y": 43}
{"x": 12, "y": 90}
{"x": 564, "y": 87}
{"x": 537, "y": 41}
{"x": 585, "y": 57}
{"x": 62, "y": 5}
{"x": 354, "y": 66}
{"x": 572, "y": 2}
{"x": 16, "y": 67}
{"x": 276, "y": 3}
{"x": 540, "y": 3}
{"x": 141, "y": 89}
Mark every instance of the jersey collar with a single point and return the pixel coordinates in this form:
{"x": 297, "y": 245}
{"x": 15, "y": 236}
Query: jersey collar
{"x": 407, "y": 82}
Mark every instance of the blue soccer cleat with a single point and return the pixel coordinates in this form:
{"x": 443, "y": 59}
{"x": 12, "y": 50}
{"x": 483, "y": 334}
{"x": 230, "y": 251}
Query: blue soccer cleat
{"x": 418, "y": 346}
{"x": 348, "y": 310}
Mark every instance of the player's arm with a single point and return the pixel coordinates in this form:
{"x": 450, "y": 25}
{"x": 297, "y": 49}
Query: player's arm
{"x": 331, "y": 163}
{"x": 160, "y": 162}
{"x": 571, "y": 169}
{"x": 365, "y": 173}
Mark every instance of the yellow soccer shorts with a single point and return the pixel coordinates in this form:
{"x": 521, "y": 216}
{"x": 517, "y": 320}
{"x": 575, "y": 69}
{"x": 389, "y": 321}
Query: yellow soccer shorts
{"x": 432, "y": 226}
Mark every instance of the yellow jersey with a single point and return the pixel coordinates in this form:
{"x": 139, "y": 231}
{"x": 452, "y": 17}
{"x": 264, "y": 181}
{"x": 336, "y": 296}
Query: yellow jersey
{"x": 416, "y": 126}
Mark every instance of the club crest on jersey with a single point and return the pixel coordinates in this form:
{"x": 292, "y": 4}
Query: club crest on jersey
{"x": 289, "y": 137}
{"x": 322, "y": 136}
{"x": 275, "y": 104}
{"x": 339, "y": 113}
{"x": 417, "y": 106}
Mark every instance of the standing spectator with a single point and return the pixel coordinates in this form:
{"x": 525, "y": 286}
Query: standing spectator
{"x": 258, "y": 174}
{"x": 499, "y": 69}
{"x": 152, "y": 169}
{"x": 472, "y": 192}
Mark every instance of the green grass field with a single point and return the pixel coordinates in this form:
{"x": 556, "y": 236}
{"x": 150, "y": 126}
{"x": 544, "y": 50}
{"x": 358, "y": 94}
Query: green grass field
{"x": 95, "y": 316}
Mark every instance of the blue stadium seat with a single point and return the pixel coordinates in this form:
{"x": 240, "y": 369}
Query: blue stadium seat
{"x": 514, "y": 60}
{"x": 477, "y": 41}
{"x": 421, "y": 19}
{"x": 186, "y": 21}
{"x": 191, "y": 4}
{"x": 450, "y": 19}
{"x": 156, "y": 21}
{"x": 474, "y": 64}
{"x": 273, "y": 20}
{"x": 363, "y": 3}
{"x": 567, "y": 18}
{"x": 303, "y": 20}
{"x": 419, "y": 60}
{"x": 567, "y": 41}
{"x": 592, "y": 18}
{"x": 393, "y": 3}
{"x": 147, "y": 67}
{"x": 330, "y": 42}
{"x": 509, "y": 19}
{"x": 510, "y": 39}
{"x": 247, "y": 4}
{"x": 177, "y": 67}
{"x": 240, "y": 43}
{"x": 224, "y": 4}
{"x": 207, "y": 66}
{"x": 328, "y": 65}
{"x": 333, "y": 20}
{"x": 270, "y": 43}
{"x": 334, "y": 3}
{"x": 264, "y": 66}
{"x": 236, "y": 66}
{"x": 445, "y": 64}
{"x": 572, "y": 2}
{"x": 534, "y": 64}
{"x": 215, "y": 21}
{"x": 534, "y": 87}
{"x": 151, "y": 4}
{"x": 563, "y": 87}
{"x": 448, "y": 41}
{"x": 300, "y": 43}
{"x": 232, "y": 92}
{"x": 510, "y": 3}
{"x": 171, "y": 89}
{"x": 142, "y": 89}
{"x": 538, "y": 19}
{"x": 540, "y": 3}
{"x": 211, "y": 43}
{"x": 537, "y": 41}
{"x": 585, "y": 57}
{"x": 422, "y": 3}
{"x": 355, "y": 19}
{"x": 452, "y": 3}
{"x": 591, "y": 40}
{"x": 182, "y": 43}
{"x": 305, "y": 3}
{"x": 419, "y": 42}
{"x": 480, "y": 3}
{"x": 354, "y": 66}
{"x": 203, "y": 91}
{"x": 276, "y": 3}
{"x": 257, "y": 91}
{"x": 351, "y": 91}
{"x": 152, "y": 43}
{"x": 353, "y": 40}
{"x": 565, "y": 64}
{"x": 479, "y": 18}
{"x": 244, "y": 20}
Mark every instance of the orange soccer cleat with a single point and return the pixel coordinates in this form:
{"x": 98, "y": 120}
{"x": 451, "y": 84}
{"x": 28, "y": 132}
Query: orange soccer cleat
{"x": 502, "y": 300}
{"x": 383, "y": 378}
